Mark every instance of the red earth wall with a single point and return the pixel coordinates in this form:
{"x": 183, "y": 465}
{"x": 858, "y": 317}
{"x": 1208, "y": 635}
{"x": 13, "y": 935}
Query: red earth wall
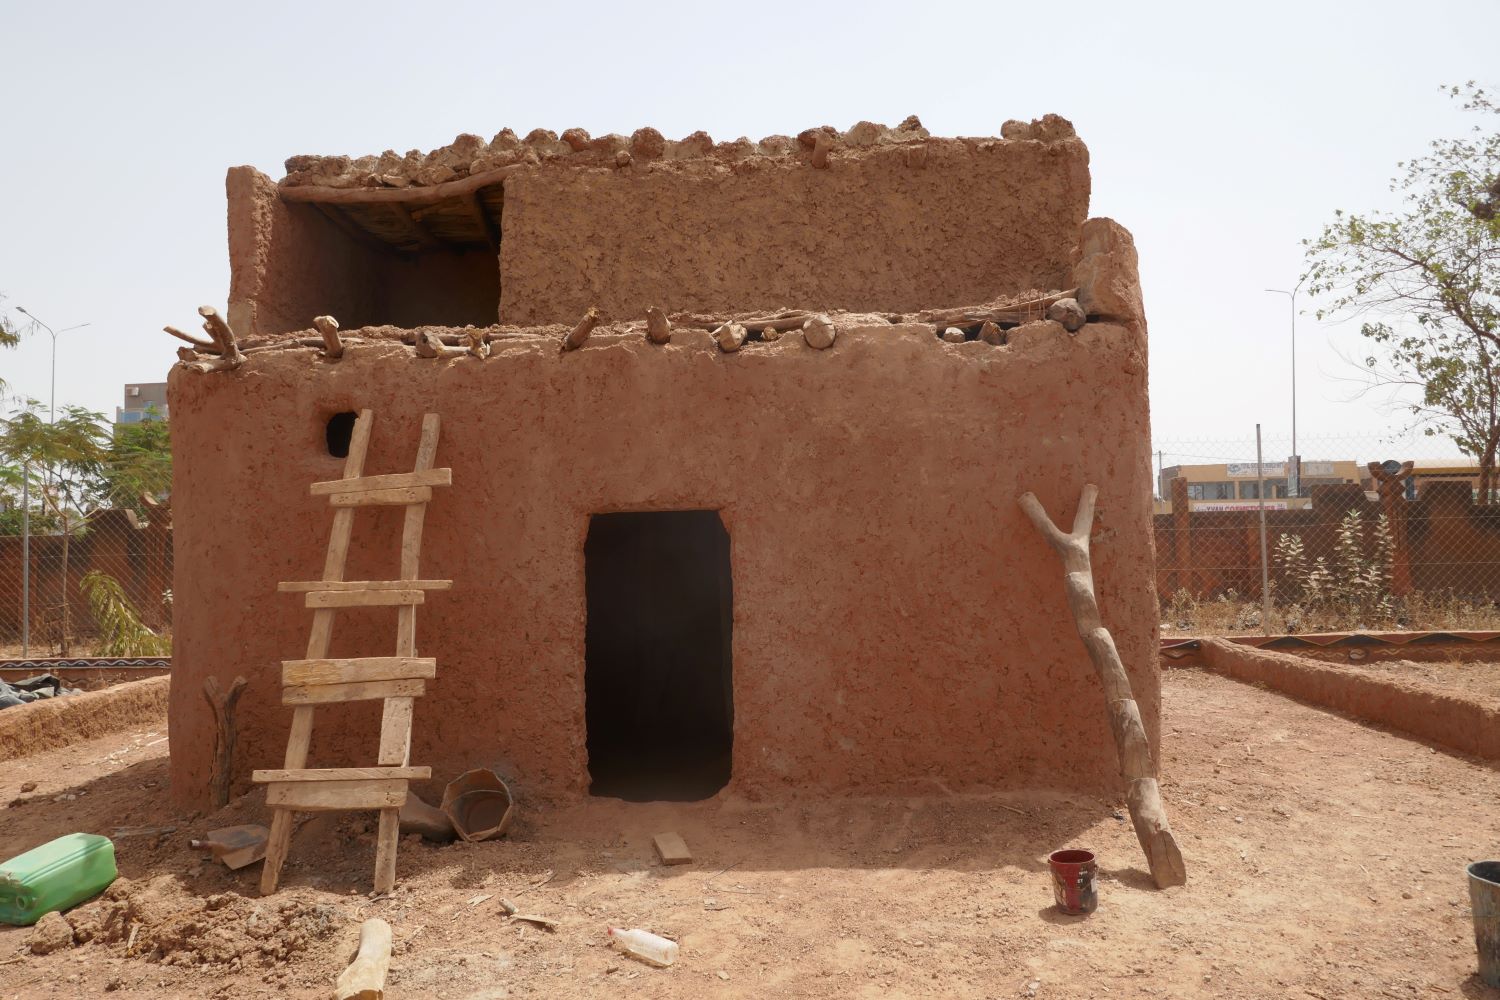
{"x": 898, "y": 624}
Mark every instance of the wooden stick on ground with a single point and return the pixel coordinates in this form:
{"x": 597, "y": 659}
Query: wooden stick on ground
{"x": 365, "y": 977}
{"x": 221, "y": 703}
{"x": 1136, "y": 764}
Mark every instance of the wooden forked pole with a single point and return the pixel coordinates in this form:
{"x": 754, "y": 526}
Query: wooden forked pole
{"x": 1137, "y": 766}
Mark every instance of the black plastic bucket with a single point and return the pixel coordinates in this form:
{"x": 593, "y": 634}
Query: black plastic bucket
{"x": 1484, "y": 899}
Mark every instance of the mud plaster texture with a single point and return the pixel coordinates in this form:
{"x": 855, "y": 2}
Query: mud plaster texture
{"x": 58, "y": 722}
{"x": 894, "y": 221}
{"x": 870, "y": 232}
{"x": 898, "y": 624}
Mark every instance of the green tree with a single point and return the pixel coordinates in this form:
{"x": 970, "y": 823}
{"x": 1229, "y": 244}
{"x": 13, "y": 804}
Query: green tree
{"x": 64, "y": 460}
{"x": 138, "y": 463}
{"x": 10, "y": 336}
{"x": 1425, "y": 280}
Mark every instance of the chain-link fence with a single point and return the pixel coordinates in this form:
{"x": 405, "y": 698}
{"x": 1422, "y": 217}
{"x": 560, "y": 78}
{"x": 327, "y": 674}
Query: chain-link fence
{"x": 95, "y": 584}
{"x": 1327, "y": 543}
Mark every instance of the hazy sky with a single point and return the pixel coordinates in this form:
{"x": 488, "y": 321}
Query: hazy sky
{"x": 1221, "y": 136}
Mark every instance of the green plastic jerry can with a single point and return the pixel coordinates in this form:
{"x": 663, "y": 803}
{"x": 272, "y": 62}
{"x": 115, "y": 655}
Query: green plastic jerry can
{"x": 55, "y": 876}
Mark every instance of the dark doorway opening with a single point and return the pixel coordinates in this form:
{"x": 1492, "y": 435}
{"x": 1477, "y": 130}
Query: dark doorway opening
{"x": 658, "y": 676}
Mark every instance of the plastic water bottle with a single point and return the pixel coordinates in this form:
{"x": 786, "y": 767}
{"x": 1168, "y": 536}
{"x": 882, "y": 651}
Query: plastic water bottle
{"x": 649, "y": 948}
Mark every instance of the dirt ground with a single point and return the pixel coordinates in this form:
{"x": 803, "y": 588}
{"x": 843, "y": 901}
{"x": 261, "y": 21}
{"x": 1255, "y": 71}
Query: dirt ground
{"x": 1480, "y": 678}
{"x": 1325, "y": 860}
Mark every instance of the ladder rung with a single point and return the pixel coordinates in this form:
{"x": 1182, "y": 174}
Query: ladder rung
{"x": 342, "y": 774}
{"x": 322, "y": 694}
{"x": 376, "y": 498}
{"x": 299, "y": 586}
{"x": 323, "y": 796}
{"x": 362, "y": 598}
{"x": 356, "y": 669}
{"x": 399, "y": 480}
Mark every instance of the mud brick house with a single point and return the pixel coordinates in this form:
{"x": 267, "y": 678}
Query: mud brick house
{"x": 742, "y": 558}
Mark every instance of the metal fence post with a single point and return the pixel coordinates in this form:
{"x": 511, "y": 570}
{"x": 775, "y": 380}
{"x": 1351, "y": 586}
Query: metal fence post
{"x": 25, "y": 561}
{"x": 1265, "y": 569}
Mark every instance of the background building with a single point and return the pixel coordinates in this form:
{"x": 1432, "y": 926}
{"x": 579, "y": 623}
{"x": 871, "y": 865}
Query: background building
{"x": 1236, "y": 485}
{"x": 143, "y": 401}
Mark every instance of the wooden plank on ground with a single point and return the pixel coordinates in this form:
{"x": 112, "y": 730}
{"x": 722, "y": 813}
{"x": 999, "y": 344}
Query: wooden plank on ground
{"x": 398, "y": 480}
{"x": 340, "y": 774}
{"x": 321, "y": 796}
{"x": 298, "y": 673}
{"x": 327, "y": 694}
{"x": 302, "y": 586}
{"x": 382, "y": 498}
{"x": 672, "y": 849}
{"x": 362, "y": 598}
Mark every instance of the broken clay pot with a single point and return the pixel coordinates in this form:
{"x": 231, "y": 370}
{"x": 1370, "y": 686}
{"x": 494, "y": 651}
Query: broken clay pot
{"x": 479, "y": 804}
{"x": 427, "y": 820}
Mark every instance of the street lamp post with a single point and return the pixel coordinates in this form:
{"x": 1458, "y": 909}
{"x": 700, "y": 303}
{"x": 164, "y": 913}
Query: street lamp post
{"x": 51, "y": 406}
{"x": 1296, "y": 459}
{"x": 26, "y": 493}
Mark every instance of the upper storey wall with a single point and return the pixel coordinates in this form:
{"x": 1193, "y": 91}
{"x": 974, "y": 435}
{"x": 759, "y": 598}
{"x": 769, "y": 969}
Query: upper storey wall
{"x": 537, "y": 230}
{"x": 890, "y": 228}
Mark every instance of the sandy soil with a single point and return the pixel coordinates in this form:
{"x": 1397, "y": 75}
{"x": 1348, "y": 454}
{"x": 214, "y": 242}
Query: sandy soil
{"x": 1326, "y": 860}
{"x": 1480, "y": 678}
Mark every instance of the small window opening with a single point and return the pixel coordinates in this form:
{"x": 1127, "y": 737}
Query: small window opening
{"x": 340, "y": 431}
{"x": 657, "y": 675}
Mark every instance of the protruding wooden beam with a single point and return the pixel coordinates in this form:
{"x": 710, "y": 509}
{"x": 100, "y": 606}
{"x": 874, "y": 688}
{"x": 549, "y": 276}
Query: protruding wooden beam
{"x": 198, "y": 342}
{"x": 223, "y": 343}
{"x": 580, "y": 333}
{"x": 658, "y": 327}
{"x": 429, "y": 346}
{"x": 819, "y": 332}
{"x": 333, "y": 347}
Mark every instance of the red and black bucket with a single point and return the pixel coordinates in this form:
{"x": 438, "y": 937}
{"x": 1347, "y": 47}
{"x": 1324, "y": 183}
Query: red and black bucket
{"x": 1074, "y": 882}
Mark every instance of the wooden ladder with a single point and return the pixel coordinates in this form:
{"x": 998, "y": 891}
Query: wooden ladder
{"x": 396, "y": 680}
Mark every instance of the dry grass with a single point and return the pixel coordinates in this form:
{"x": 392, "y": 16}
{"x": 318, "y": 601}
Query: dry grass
{"x": 1234, "y": 614}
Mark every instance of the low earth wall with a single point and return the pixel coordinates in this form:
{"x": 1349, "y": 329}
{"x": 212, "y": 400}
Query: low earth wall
{"x": 897, "y": 622}
{"x": 1465, "y": 723}
{"x": 115, "y": 543}
{"x": 58, "y": 722}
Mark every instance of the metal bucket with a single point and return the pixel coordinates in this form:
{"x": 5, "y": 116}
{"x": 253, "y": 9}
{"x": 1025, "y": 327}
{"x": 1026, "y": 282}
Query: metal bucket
{"x": 1073, "y": 881}
{"x": 1484, "y": 899}
{"x": 479, "y": 804}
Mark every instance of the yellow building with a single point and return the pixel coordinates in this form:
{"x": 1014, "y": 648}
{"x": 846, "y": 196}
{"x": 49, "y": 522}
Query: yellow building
{"x": 1236, "y": 485}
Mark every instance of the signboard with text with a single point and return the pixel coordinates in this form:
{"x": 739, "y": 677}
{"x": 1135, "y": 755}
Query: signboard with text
{"x": 1275, "y": 470}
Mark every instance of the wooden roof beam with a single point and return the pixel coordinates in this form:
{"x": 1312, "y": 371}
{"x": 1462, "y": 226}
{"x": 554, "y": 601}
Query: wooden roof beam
{"x": 419, "y": 232}
{"x": 491, "y": 231}
{"x": 401, "y": 196}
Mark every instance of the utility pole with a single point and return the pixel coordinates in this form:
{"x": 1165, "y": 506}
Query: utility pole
{"x": 1294, "y": 464}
